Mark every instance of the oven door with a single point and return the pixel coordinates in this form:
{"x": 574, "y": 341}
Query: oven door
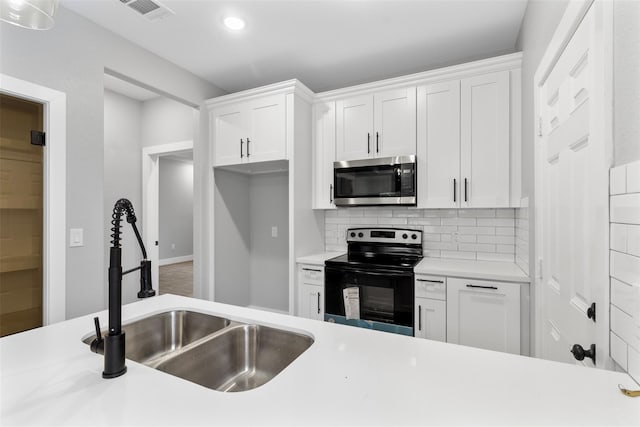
{"x": 386, "y": 298}
{"x": 384, "y": 181}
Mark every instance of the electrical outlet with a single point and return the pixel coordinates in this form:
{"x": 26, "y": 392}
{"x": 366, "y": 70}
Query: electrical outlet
{"x": 274, "y": 231}
{"x": 455, "y": 236}
{"x": 76, "y": 237}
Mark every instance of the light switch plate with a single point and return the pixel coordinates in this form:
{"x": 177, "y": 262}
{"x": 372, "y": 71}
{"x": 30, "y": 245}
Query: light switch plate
{"x": 76, "y": 237}
{"x": 274, "y": 231}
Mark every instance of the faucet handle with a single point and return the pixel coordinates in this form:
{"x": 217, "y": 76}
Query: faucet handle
{"x": 96, "y": 321}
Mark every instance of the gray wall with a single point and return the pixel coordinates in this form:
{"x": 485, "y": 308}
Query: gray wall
{"x": 176, "y": 208}
{"x": 626, "y": 51}
{"x": 269, "y": 198}
{"x": 72, "y": 58}
{"x": 232, "y": 228}
{"x": 122, "y": 157}
{"x": 165, "y": 120}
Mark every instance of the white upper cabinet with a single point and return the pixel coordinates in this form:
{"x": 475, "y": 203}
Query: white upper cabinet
{"x": 394, "y": 122}
{"x": 229, "y": 125}
{"x": 354, "y": 124}
{"x": 485, "y": 119}
{"x": 439, "y": 145}
{"x": 324, "y": 154}
{"x": 378, "y": 125}
{"x": 250, "y": 131}
{"x": 267, "y": 132}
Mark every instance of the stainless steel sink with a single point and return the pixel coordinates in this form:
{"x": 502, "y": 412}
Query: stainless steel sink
{"x": 153, "y": 337}
{"x": 240, "y": 358}
{"x": 212, "y": 351}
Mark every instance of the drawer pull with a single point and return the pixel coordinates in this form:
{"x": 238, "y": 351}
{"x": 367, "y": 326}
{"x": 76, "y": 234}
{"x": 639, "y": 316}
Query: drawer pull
{"x": 419, "y": 317}
{"x": 318, "y": 302}
{"x": 482, "y": 287}
{"x": 312, "y": 269}
{"x": 430, "y": 281}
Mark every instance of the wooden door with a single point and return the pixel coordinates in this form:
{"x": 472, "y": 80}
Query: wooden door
{"x": 267, "y": 129}
{"x": 439, "y": 145}
{"x": 484, "y": 127}
{"x": 431, "y": 319}
{"x": 354, "y": 125}
{"x": 230, "y": 132}
{"x": 484, "y": 314}
{"x": 395, "y": 123}
{"x": 574, "y": 200}
{"x": 21, "y": 220}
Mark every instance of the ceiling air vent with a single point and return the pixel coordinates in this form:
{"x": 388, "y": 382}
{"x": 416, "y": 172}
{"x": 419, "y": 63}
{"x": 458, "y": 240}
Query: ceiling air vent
{"x": 151, "y": 9}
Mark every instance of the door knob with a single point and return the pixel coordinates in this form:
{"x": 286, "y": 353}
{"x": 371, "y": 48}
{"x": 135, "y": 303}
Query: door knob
{"x": 591, "y": 312}
{"x": 580, "y": 353}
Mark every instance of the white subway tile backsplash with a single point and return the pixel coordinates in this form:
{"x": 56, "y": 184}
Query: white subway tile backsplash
{"x": 618, "y": 237}
{"x": 626, "y": 297}
{"x": 625, "y": 208}
{"x": 618, "y": 180}
{"x": 633, "y": 240}
{"x": 624, "y": 326}
{"x": 482, "y": 256}
{"x": 618, "y": 350}
{"x": 625, "y": 268}
{"x": 446, "y": 232}
{"x": 633, "y": 177}
{"x": 633, "y": 363}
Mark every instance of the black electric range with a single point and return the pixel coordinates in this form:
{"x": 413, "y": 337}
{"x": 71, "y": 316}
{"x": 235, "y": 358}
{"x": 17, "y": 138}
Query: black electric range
{"x": 372, "y": 285}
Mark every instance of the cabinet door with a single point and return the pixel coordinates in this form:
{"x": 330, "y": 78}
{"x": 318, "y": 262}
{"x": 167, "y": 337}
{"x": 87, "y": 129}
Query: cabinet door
{"x": 484, "y": 157}
{"x": 395, "y": 123}
{"x": 484, "y": 314}
{"x": 267, "y": 129}
{"x": 324, "y": 152}
{"x": 431, "y": 319}
{"x": 229, "y": 134}
{"x": 311, "y": 302}
{"x": 354, "y": 124}
{"x": 439, "y": 145}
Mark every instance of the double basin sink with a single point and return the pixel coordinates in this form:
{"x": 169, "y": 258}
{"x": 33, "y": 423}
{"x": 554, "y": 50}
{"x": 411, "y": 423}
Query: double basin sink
{"x": 212, "y": 351}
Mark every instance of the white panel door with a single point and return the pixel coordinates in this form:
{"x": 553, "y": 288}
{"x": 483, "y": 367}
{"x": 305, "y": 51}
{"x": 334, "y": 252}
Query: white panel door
{"x": 324, "y": 154}
{"x": 267, "y": 129}
{"x": 484, "y": 160}
{"x": 395, "y": 123}
{"x": 484, "y": 314}
{"x": 354, "y": 124}
{"x": 439, "y": 145}
{"x": 230, "y": 132}
{"x": 311, "y": 302}
{"x": 574, "y": 200}
{"x": 431, "y": 319}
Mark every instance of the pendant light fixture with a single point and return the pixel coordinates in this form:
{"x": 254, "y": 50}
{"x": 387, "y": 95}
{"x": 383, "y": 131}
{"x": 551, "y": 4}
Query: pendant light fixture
{"x": 32, "y": 14}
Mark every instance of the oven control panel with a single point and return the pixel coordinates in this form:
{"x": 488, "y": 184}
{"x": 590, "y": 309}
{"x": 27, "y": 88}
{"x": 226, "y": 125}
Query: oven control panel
{"x": 384, "y": 235}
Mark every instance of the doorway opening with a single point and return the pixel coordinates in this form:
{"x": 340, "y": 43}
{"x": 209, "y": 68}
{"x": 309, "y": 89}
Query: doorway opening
{"x": 144, "y": 163}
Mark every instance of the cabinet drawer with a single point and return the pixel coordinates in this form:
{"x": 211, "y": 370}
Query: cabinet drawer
{"x": 433, "y": 287}
{"x": 312, "y": 274}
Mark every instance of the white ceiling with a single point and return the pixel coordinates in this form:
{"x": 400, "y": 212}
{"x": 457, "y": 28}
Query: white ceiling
{"x": 326, "y": 44}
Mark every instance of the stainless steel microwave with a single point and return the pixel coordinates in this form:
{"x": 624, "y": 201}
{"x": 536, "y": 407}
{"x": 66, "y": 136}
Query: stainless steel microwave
{"x": 372, "y": 182}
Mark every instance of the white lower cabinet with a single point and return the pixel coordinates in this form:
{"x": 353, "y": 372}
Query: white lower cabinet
{"x": 311, "y": 291}
{"x": 431, "y": 319}
{"x": 484, "y": 314}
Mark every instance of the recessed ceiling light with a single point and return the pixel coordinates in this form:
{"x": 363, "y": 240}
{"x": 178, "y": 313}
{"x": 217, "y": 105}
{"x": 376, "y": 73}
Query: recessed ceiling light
{"x": 233, "y": 23}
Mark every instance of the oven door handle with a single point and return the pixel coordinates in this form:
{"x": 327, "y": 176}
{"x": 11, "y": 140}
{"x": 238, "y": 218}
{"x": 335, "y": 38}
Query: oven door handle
{"x": 376, "y": 272}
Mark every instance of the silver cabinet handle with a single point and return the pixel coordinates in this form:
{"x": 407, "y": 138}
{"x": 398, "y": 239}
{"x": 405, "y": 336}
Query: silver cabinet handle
{"x": 330, "y": 193}
{"x": 419, "y": 317}
{"x": 481, "y": 287}
{"x": 429, "y": 281}
{"x": 318, "y": 302}
{"x": 241, "y": 142}
{"x": 248, "y": 141}
{"x": 311, "y": 269}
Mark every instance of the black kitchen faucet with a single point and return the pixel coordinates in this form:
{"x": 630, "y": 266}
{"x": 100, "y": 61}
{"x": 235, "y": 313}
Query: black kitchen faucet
{"x": 113, "y": 344}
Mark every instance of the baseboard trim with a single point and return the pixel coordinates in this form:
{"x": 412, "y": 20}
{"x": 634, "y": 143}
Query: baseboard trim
{"x": 175, "y": 260}
{"x": 273, "y": 310}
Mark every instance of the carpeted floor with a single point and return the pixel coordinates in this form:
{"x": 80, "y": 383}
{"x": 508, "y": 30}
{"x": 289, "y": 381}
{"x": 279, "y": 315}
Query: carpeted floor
{"x": 177, "y": 279}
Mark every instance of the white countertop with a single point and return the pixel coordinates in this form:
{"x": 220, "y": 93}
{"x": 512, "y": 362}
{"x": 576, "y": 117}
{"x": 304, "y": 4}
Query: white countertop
{"x": 319, "y": 258}
{"x": 349, "y": 376}
{"x": 487, "y": 270}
